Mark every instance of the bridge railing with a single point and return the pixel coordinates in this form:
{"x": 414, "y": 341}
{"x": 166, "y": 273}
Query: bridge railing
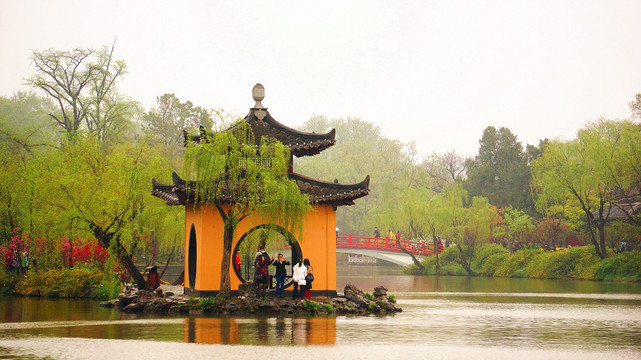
{"x": 361, "y": 242}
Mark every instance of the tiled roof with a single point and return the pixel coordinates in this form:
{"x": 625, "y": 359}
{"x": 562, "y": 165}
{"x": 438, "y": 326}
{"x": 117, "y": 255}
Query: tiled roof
{"x": 300, "y": 143}
{"x": 320, "y": 192}
{"x": 621, "y": 211}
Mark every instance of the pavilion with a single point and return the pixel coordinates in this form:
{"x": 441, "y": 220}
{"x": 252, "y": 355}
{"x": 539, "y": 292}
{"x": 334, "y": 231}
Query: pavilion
{"x": 204, "y": 226}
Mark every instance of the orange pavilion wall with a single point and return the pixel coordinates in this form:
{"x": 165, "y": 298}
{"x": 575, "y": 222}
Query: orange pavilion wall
{"x": 318, "y": 244}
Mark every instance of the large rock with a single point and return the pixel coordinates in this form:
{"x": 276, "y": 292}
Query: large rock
{"x": 127, "y": 295}
{"x": 338, "y": 301}
{"x": 374, "y": 308}
{"x": 134, "y": 307}
{"x": 231, "y": 306}
{"x": 380, "y": 291}
{"x": 351, "y": 291}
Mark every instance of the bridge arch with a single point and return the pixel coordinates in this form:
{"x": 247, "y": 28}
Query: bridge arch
{"x": 392, "y": 250}
{"x": 396, "y": 258}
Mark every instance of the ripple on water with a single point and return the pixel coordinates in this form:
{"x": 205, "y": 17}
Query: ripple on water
{"x": 97, "y": 349}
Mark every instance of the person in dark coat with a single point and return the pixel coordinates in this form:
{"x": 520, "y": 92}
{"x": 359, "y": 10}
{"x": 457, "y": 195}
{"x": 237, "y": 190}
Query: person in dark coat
{"x": 263, "y": 274}
{"x": 309, "y": 278}
{"x": 281, "y": 272}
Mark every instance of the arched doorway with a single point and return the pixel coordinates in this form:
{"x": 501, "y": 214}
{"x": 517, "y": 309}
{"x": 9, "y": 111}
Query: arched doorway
{"x": 192, "y": 257}
{"x": 276, "y": 239}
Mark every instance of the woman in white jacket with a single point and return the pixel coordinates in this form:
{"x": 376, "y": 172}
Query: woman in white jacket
{"x": 299, "y": 271}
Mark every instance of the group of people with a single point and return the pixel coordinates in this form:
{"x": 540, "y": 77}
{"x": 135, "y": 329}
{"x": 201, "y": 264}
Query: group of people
{"x": 302, "y": 274}
{"x": 390, "y": 234}
{"x": 16, "y": 262}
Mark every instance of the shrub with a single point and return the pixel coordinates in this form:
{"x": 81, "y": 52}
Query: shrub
{"x": 207, "y": 303}
{"x": 368, "y": 296}
{"x": 312, "y": 306}
{"x": 391, "y": 298}
{"x": 373, "y": 307}
{"x": 488, "y": 258}
{"x": 448, "y": 255}
{"x": 452, "y": 269}
{"x": 329, "y": 308}
{"x": 192, "y": 302}
{"x": 7, "y": 282}
{"x": 623, "y": 266}
{"x": 63, "y": 283}
{"x": 577, "y": 263}
{"x": 513, "y": 263}
{"x": 107, "y": 290}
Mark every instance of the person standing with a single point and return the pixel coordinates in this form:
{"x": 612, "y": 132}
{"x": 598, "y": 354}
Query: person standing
{"x": 263, "y": 273}
{"x": 377, "y": 234}
{"x": 299, "y": 271}
{"x": 309, "y": 278}
{"x": 261, "y": 252}
{"x": 281, "y": 272}
{"x": 237, "y": 262}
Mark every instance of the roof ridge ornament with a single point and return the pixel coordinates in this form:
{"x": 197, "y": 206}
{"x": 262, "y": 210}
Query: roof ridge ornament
{"x": 258, "y": 93}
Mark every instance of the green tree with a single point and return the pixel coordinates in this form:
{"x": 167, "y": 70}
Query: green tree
{"x": 87, "y": 190}
{"x": 518, "y": 225}
{"x": 239, "y": 179}
{"x": 165, "y": 122}
{"x": 623, "y": 170}
{"x": 24, "y": 134}
{"x": 500, "y": 171}
{"x": 361, "y": 149}
{"x": 452, "y": 216}
{"x": 589, "y": 170}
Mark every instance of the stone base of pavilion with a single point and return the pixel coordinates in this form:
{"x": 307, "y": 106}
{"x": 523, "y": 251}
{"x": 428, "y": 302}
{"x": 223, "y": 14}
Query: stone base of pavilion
{"x": 166, "y": 301}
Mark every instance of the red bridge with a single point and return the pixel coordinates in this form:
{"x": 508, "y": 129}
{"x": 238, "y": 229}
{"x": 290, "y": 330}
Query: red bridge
{"x": 385, "y": 248}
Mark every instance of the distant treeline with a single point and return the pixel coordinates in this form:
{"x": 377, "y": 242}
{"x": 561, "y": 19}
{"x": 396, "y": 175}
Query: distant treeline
{"x": 78, "y": 159}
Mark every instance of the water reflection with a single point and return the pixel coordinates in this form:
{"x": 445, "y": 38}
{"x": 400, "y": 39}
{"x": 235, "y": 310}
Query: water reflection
{"x": 261, "y": 331}
{"x": 368, "y": 277}
{"x": 466, "y": 316}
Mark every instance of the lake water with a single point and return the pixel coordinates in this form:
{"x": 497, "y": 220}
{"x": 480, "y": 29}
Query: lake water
{"x": 443, "y": 318}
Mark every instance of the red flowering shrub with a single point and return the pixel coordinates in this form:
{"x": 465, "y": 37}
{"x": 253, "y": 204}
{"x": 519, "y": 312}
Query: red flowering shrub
{"x": 89, "y": 252}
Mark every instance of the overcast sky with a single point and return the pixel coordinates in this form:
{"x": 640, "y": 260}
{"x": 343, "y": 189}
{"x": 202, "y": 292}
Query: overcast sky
{"x": 433, "y": 72}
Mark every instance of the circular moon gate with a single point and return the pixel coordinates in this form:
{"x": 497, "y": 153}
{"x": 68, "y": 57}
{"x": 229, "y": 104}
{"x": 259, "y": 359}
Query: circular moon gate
{"x": 297, "y": 253}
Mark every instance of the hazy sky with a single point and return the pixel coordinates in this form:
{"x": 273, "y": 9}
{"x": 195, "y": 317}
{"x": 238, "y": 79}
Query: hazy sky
{"x": 433, "y": 72}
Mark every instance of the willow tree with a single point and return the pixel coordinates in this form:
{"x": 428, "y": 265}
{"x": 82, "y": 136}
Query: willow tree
{"x": 85, "y": 190}
{"x": 240, "y": 178}
{"x": 590, "y": 171}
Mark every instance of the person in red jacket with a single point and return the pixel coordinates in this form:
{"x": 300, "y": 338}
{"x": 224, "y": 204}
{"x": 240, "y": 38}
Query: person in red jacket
{"x": 237, "y": 262}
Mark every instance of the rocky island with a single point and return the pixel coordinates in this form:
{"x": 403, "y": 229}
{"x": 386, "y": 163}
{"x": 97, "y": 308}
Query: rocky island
{"x": 353, "y": 301}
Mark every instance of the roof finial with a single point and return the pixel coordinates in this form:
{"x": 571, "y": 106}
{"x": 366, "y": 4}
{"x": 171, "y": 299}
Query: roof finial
{"x": 258, "y": 93}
